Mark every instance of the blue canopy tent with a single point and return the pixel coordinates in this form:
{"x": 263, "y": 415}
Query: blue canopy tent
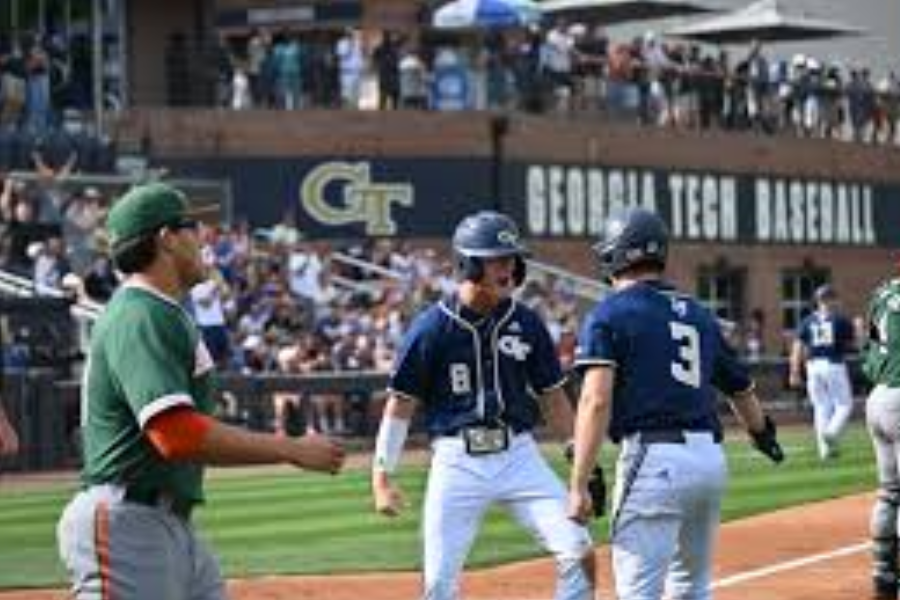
{"x": 486, "y": 14}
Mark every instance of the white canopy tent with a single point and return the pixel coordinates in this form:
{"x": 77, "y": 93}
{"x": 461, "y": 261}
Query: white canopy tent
{"x": 615, "y": 12}
{"x": 764, "y": 20}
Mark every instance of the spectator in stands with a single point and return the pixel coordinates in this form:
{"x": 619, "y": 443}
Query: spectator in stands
{"x": 860, "y": 102}
{"x": 291, "y": 360}
{"x": 591, "y": 53}
{"x": 255, "y": 320}
{"x": 83, "y": 215}
{"x": 352, "y": 353}
{"x": 100, "y": 280}
{"x": 710, "y": 91}
{"x": 620, "y": 89}
{"x": 50, "y": 264}
{"x": 256, "y": 355}
{"x": 888, "y": 102}
{"x": 832, "y": 102}
{"x": 386, "y": 58}
{"x": 287, "y": 57}
{"x": 206, "y": 301}
{"x": 12, "y": 88}
{"x": 257, "y": 54}
{"x": 526, "y": 70}
{"x": 38, "y": 108}
{"x": 326, "y": 410}
{"x": 557, "y": 62}
{"x": 285, "y": 232}
{"x": 23, "y": 230}
{"x": 351, "y": 65}
{"x": 241, "y": 96}
{"x": 414, "y": 79}
{"x": 757, "y": 86}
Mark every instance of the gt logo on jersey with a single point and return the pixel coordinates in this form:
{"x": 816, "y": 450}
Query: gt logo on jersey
{"x": 679, "y": 307}
{"x": 512, "y": 345}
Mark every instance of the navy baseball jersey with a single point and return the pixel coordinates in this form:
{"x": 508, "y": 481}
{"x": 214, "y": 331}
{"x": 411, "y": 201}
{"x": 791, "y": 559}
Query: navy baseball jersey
{"x": 471, "y": 369}
{"x": 669, "y": 356}
{"x": 826, "y": 335}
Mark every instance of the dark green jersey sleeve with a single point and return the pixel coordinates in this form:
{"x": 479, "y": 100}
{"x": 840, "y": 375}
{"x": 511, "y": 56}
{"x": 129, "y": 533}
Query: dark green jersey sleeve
{"x": 151, "y": 351}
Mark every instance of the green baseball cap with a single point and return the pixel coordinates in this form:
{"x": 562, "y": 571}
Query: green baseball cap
{"x": 148, "y": 207}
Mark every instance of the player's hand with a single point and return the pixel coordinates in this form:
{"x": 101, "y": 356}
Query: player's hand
{"x": 581, "y": 506}
{"x": 319, "y": 453}
{"x": 795, "y": 380}
{"x": 389, "y": 500}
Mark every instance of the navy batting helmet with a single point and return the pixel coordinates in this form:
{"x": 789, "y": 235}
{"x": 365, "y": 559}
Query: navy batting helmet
{"x": 825, "y": 293}
{"x": 487, "y": 234}
{"x": 631, "y": 236}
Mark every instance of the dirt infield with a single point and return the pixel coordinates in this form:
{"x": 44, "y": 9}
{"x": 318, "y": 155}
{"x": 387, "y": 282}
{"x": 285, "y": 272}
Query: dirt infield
{"x": 815, "y": 551}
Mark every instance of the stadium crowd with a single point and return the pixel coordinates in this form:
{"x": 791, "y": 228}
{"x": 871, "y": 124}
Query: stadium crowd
{"x": 561, "y": 68}
{"x": 274, "y": 303}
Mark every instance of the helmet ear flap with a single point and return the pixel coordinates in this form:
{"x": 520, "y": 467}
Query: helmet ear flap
{"x": 469, "y": 267}
{"x": 520, "y": 270}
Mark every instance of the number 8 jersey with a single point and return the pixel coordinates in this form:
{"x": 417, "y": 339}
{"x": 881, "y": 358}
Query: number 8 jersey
{"x": 470, "y": 369}
{"x": 676, "y": 346}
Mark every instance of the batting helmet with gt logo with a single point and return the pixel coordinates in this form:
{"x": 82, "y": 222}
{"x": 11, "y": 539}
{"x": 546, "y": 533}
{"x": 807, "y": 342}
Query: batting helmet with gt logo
{"x": 487, "y": 234}
{"x": 630, "y": 237}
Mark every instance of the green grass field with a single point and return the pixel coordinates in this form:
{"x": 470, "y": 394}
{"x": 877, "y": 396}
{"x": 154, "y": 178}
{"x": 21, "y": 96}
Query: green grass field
{"x": 282, "y": 521}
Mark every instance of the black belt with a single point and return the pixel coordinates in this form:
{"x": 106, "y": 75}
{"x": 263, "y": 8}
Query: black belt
{"x": 160, "y": 499}
{"x": 672, "y": 436}
{"x": 458, "y": 431}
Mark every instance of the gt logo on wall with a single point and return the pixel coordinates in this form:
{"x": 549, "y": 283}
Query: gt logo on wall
{"x": 343, "y": 193}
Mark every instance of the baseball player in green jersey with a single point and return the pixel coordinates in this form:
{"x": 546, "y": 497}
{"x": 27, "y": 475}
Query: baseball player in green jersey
{"x": 147, "y": 421}
{"x": 882, "y": 367}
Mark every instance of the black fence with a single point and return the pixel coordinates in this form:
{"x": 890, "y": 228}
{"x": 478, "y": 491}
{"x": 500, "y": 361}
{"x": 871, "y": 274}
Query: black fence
{"x": 46, "y": 410}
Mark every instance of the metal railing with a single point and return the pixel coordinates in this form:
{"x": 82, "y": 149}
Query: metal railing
{"x": 584, "y": 287}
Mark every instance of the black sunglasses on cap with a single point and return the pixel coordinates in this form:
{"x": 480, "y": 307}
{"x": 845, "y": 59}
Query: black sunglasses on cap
{"x": 182, "y": 224}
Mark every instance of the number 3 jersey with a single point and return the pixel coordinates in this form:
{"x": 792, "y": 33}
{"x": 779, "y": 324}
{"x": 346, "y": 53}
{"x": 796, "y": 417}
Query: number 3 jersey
{"x": 669, "y": 356}
{"x": 470, "y": 369}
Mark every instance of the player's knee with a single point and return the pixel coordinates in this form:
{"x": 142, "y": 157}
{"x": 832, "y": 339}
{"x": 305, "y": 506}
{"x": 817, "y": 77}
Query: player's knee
{"x": 589, "y": 566}
{"x": 889, "y": 494}
{"x": 883, "y": 524}
{"x": 577, "y": 577}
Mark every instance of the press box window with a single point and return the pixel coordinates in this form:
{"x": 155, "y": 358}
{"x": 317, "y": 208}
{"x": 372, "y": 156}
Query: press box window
{"x": 797, "y": 288}
{"x": 721, "y": 289}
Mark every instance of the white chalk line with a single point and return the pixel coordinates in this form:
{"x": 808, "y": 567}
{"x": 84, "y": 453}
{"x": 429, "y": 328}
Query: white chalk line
{"x": 789, "y": 565}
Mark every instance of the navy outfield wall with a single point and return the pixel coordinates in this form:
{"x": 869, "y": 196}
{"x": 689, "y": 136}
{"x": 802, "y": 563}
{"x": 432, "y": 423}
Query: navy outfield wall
{"x": 334, "y": 197}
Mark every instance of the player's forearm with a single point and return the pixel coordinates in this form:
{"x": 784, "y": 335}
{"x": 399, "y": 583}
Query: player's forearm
{"x": 797, "y": 356}
{"x": 224, "y": 445}
{"x": 591, "y": 423}
{"x": 392, "y": 432}
{"x": 560, "y": 416}
{"x": 589, "y": 427}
